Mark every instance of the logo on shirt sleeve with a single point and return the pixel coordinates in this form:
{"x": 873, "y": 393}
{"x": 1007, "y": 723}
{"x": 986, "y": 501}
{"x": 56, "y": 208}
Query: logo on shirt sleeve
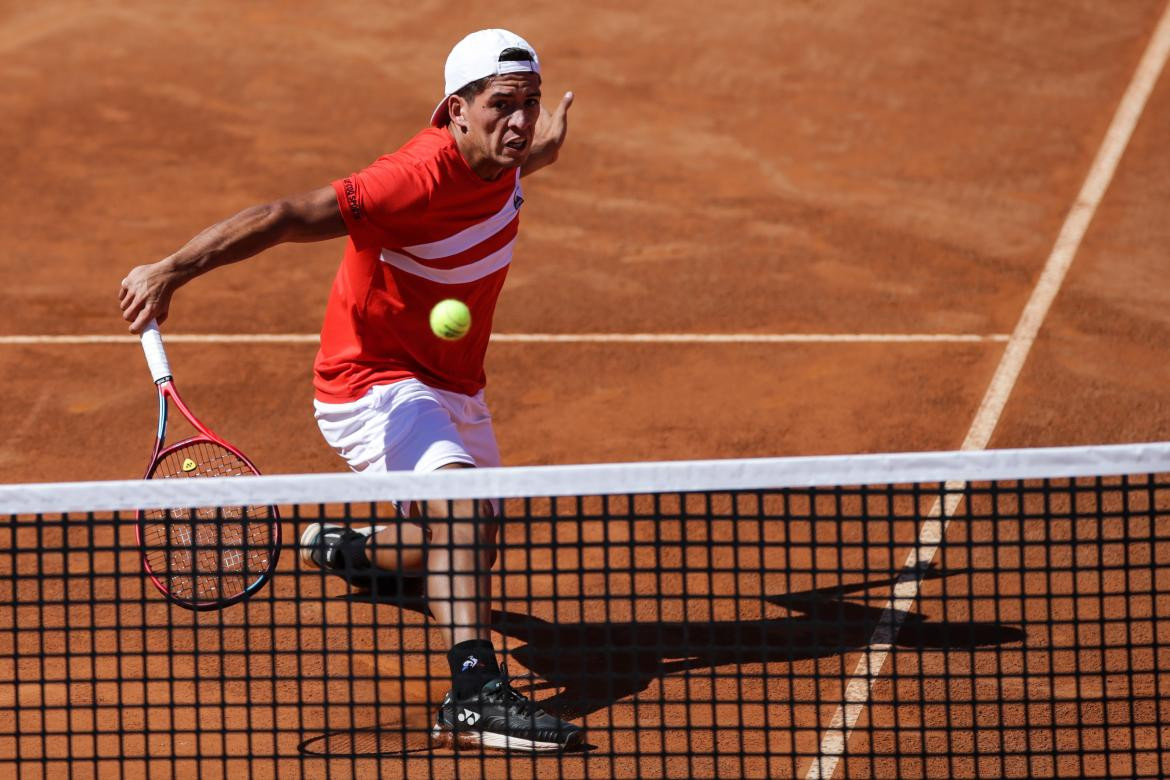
{"x": 355, "y": 210}
{"x": 517, "y": 200}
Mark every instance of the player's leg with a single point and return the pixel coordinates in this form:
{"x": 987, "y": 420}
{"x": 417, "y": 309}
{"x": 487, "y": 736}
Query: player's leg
{"x": 408, "y": 426}
{"x": 462, "y": 546}
{"x": 352, "y": 551}
{"x": 385, "y": 430}
{"x": 400, "y": 547}
{"x": 460, "y": 556}
{"x": 482, "y": 708}
{"x": 459, "y": 563}
{"x": 403, "y": 546}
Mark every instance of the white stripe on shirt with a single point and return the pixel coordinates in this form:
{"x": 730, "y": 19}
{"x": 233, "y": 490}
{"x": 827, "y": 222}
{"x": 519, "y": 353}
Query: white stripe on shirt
{"x": 476, "y": 234}
{"x": 461, "y": 275}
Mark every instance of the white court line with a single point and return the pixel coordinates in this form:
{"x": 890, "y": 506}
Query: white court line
{"x": 552, "y": 338}
{"x": 751, "y": 338}
{"x": 869, "y": 666}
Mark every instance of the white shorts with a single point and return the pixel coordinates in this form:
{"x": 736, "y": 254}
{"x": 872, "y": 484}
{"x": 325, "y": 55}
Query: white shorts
{"x": 409, "y": 426}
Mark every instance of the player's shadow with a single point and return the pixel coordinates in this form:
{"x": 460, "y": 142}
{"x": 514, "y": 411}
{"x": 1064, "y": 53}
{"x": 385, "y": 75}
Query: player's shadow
{"x": 595, "y": 664}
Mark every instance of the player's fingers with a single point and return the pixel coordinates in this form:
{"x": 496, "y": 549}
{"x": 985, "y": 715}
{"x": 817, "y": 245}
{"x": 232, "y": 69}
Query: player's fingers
{"x": 563, "y": 108}
{"x": 133, "y": 317}
{"x": 138, "y": 308}
{"x": 145, "y": 316}
{"x": 130, "y": 305}
{"x": 559, "y": 116}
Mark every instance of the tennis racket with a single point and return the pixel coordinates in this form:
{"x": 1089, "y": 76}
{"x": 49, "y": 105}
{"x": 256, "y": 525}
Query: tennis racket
{"x": 201, "y": 557}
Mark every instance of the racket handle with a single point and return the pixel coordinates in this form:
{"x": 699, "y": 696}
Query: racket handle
{"x": 156, "y": 356}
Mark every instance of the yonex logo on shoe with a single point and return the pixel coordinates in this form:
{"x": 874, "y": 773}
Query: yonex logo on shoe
{"x": 468, "y": 716}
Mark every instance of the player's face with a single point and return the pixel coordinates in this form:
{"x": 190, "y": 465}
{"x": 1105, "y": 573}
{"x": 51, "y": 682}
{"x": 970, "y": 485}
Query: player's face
{"x": 501, "y": 121}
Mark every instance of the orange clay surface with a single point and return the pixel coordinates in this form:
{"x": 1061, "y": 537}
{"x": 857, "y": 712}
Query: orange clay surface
{"x": 854, "y": 167}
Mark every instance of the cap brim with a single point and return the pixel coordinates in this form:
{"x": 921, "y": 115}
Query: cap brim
{"x": 440, "y": 117}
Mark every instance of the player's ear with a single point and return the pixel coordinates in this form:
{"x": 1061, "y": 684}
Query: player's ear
{"x": 457, "y": 110}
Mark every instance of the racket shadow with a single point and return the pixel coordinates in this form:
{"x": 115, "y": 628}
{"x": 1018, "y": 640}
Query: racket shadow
{"x": 382, "y": 740}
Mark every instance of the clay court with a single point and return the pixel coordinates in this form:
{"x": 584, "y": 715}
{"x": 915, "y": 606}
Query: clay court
{"x": 842, "y": 211}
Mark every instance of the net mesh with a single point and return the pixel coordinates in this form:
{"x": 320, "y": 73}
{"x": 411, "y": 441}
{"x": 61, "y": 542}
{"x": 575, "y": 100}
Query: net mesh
{"x": 985, "y": 627}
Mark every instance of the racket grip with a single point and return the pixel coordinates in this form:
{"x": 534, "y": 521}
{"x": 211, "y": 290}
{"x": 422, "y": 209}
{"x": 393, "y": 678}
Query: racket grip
{"x": 156, "y": 356}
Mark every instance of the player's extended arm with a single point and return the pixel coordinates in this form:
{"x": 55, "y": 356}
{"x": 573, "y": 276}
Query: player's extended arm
{"x": 550, "y": 135}
{"x": 146, "y": 291}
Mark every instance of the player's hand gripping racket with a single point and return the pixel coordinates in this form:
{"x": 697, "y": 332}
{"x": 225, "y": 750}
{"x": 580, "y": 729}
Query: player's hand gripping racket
{"x": 202, "y": 557}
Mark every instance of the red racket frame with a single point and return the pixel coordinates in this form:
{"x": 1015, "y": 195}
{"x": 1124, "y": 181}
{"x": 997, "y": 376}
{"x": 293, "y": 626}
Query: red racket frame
{"x": 167, "y": 391}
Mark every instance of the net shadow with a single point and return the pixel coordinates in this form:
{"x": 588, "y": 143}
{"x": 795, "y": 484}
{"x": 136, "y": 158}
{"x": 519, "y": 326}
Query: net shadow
{"x": 593, "y": 665}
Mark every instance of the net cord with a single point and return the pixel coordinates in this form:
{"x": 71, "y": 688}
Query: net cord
{"x": 597, "y": 479}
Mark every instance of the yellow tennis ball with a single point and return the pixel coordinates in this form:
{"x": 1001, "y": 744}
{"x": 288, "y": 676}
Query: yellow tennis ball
{"x": 450, "y": 319}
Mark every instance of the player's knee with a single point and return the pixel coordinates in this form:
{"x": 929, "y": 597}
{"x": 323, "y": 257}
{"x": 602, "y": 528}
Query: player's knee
{"x": 488, "y": 534}
{"x": 464, "y": 525}
{"x": 475, "y": 534}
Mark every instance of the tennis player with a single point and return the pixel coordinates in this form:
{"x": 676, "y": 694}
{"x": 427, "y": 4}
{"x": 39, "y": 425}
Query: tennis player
{"x": 436, "y": 219}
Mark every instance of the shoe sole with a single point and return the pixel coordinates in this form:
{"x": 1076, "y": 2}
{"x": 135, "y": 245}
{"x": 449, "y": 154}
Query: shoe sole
{"x": 314, "y": 530}
{"x": 471, "y": 740}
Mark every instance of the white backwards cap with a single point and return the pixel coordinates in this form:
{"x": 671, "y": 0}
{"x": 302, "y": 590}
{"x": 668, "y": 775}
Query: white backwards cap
{"x": 478, "y": 56}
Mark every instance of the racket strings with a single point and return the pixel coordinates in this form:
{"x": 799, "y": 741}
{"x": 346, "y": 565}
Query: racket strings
{"x": 213, "y": 553}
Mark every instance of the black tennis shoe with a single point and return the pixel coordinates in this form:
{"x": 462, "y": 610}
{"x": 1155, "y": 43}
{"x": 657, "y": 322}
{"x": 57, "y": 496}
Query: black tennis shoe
{"x": 321, "y": 545}
{"x": 499, "y": 717}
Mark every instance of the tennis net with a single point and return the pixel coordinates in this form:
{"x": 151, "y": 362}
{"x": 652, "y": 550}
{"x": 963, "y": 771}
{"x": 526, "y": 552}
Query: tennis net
{"x": 1001, "y": 613}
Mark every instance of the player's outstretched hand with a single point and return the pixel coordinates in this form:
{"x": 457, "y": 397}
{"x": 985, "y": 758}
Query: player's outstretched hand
{"x": 550, "y": 135}
{"x": 145, "y": 295}
{"x": 551, "y": 128}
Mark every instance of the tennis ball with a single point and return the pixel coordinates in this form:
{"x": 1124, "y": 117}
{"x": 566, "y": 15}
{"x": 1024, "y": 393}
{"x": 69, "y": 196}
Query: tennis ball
{"x": 450, "y": 319}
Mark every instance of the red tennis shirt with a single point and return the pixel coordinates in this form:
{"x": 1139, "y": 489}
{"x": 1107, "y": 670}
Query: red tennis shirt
{"x": 422, "y": 227}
